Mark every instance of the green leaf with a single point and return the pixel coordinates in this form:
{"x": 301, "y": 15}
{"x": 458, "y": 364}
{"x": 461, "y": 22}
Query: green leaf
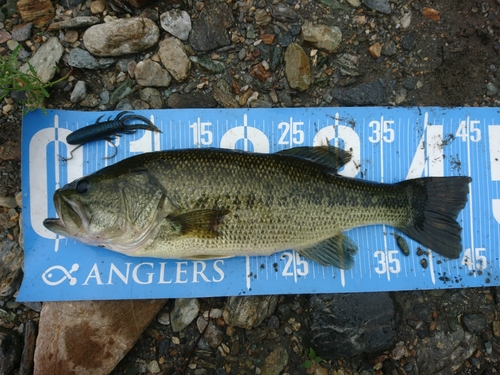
{"x": 307, "y": 364}
{"x": 318, "y": 359}
{"x": 312, "y": 353}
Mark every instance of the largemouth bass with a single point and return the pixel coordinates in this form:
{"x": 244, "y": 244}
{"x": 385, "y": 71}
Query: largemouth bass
{"x": 211, "y": 203}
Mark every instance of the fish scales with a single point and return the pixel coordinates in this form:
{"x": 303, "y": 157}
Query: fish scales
{"x": 204, "y": 203}
{"x": 273, "y": 201}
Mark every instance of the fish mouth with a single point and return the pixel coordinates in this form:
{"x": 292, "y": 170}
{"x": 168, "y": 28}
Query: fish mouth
{"x": 72, "y": 218}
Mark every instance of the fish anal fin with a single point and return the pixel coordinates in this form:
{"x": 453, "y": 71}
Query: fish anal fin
{"x": 329, "y": 156}
{"x": 199, "y": 223}
{"x": 337, "y": 251}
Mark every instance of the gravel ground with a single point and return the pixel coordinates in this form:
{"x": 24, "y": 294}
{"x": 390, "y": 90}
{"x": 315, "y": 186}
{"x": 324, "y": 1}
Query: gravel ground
{"x": 397, "y": 53}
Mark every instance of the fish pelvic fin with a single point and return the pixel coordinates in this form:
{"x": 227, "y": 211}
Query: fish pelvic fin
{"x": 199, "y": 223}
{"x": 435, "y": 204}
{"x": 328, "y": 156}
{"x": 337, "y": 251}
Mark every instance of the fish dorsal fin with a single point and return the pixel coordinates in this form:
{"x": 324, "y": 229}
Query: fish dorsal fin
{"x": 199, "y": 223}
{"x": 337, "y": 251}
{"x": 329, "y": 156}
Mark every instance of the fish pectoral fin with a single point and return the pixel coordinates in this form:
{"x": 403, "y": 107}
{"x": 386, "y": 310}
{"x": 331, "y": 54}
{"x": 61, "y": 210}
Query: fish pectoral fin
{"x": 337, "y": 251}
{"x": 200, "y": 223}
{"x": 329, "y": 156}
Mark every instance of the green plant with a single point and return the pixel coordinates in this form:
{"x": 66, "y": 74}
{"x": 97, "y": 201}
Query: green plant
{"x": 312, "y": 359}
{"x": 13, "y": 79}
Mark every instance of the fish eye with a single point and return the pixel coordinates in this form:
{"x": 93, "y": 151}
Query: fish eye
{"x": 82, "y": 186}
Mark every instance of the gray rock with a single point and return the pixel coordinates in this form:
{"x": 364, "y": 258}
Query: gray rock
{"x": 491, "y": 89}
{"x": 222, "y": 94}
{"x": 74, "y": 23}
{"x": 150, "y": 73}
{"x": 91, "y": 101}
{"x": 104, "y": 96}
{"x": 285, "y": 40}
{"x": 22, "y": 32}
{"x": 79, "y": 92}
{"x": 11, "y": 150}
{"x": 275, "y": 362}
{"x": 409, "y": 41}
{"x": 70, "y": 4}
{"x": 124, "y": 105}
{"x": 11, "y": 262}
{"x": 345, "y": 325}
{"x": 164, "y": 318}
{"x": 4, "y": 35}
{"x": 276, "y": 57}
{"x": 45, "y": 59}
{"x": 79, "y": 58}
{"x": 153, "y": 367}
{"x": 10, "y": 344}
{"x": 381, "y": 6}
{"x": 152, "y": 97}
{"x": 209, "y": 29}
{"x": 28, "y": 354}
{"x": 242, "y": 54}
{"x": 121, "y": 37}
{"x": 364, "y": 94}
{"x": 262, "y": 18}
{"x": 123, "y": 63}
{"x": 177, "y": 22}
{"x": 249, "y": 312}
{"x": 139, "y": 105}
{"x": 475, "y": 323}
{"x": 8, "y": 202}
{"x": 445, "y": 350}
{"x": 105, "y": 62}
{"x": 326, "y": 38}
{"x": 174, "y": 58}
{"x": 212, "y": 334}
{"x": 389, "y": 48}
{"x": 283, "y": 13}
{"x": 488, "y": 347}
{"x": 184, "y": 312}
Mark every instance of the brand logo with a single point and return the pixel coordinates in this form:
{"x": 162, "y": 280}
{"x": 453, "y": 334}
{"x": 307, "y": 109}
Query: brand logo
{"x": 54, "y": 271}
{"x": 180, "y": 272}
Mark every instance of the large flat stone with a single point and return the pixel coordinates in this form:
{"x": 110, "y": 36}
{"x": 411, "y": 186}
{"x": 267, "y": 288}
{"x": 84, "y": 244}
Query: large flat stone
{"x": 89, "y": 337}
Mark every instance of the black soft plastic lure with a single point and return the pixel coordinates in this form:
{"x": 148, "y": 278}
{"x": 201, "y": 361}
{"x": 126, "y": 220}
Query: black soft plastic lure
{"x": 109, "y": 130}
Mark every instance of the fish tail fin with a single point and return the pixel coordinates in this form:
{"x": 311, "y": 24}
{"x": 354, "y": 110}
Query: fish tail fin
{"x": 435, "y": 204}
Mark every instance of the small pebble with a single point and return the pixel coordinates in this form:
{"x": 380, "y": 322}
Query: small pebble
{"x": 153, "y": 367}
{"x": 164, "y": 318}
{"x": 488, "y": 347}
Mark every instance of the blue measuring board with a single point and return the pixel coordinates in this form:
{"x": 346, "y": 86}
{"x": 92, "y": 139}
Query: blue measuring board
{"x": 388, "y": 145}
